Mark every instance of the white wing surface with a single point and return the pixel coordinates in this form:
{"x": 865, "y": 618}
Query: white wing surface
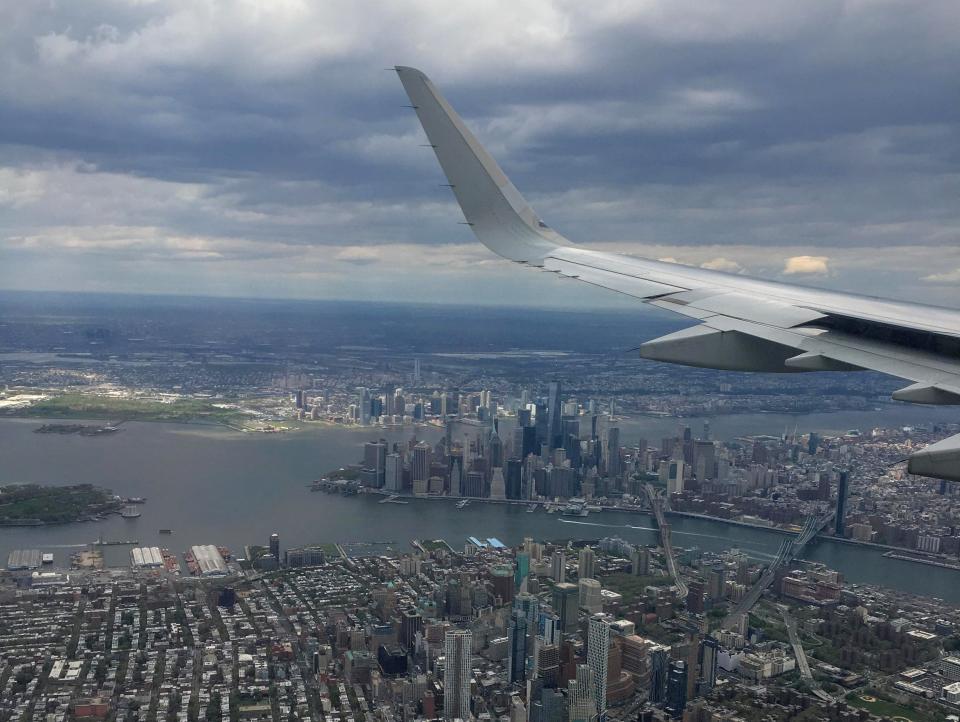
{"x": 745, "y": 324}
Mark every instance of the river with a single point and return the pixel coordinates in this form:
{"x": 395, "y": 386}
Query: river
{"x": 213, "y": 485}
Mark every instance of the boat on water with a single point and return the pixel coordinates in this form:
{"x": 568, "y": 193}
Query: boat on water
{"x": 130, "y": 512}
{"x": 462, "y": 503}
{"x": 166, "y": 531}
{"x": 574, "y": 510}
{"x": 532, "y": 508}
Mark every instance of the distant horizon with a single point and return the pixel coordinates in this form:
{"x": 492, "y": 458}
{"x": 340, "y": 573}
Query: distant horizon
{"x": 626, "y": 307}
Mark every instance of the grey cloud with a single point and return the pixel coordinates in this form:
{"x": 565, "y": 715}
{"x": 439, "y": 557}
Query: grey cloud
{"x": 826, "y": 124}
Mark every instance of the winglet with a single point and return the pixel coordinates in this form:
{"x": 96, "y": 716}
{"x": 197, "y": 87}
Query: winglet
{"x": 491, "y": 205}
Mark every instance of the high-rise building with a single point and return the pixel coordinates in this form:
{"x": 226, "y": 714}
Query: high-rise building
{"x": 498, "y": 486}
{"x": 565, "y": 603}
{"x": 363, "y": 405}
{"x": 841, "y": 503}
{"x": 393, "y": 473}
{"x": 587, "y": 559}
{"x": 558, "y": 567}
{"x": 709, "y": 650}
{"x": 590, "y": 598}
{"x": 676, "y": 700}
{"x": 548, "y": 663}
{"x": 659, "y": 667}
{"x": 275, "y": 547}
{"x": 517, "y": 663}
{"x": 522, "y": 569}
{"x": 374, "y": 462}
{"x": 410, "y": 623}
{"x": 582, "y": 696}
{"x": 514, "y": 479}
{"x": 598, "y": 652}
{"x": 614, "y": 466}
{"x": 456, "y": 477}
{"x": 640, "y": 562}
{"x": 676, "y": 471}
{"x": 716, "y": 581}
{"x": 458, "y": 653}
{"x": 554, "y": 416}
{"x": 695, "y": 596}
{"x": 420, "y": 468}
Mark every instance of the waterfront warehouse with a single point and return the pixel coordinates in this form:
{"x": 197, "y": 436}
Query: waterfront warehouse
{"x": 209, "y": 560}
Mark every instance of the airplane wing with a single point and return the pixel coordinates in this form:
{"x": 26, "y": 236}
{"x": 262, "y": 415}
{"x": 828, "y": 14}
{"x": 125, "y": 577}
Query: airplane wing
{"x": 745, "y": 324}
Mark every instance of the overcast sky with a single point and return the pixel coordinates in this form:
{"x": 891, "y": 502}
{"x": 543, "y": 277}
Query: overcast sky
{"x": 261, "y": 148}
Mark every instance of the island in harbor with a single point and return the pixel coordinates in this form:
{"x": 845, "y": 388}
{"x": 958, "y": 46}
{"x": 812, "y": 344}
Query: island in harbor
{"x": 34, "y": 505}
{"x": 82, "y": 429}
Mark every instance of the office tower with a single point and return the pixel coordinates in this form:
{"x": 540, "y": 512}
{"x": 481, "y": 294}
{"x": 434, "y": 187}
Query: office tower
{"x": 498, "y": 486}
{"x": 707, "y": 436}
{"x": 495, "y": 449}
{"x": 473, "y": 484}
{"x": 659, "y": 667}
{"x": 554, "y": 416}
{"x": 614, "y": 466}
{"x": 393, "y": 473}
{"x": 566, "y": 600}
{"x": 549, "y": 627}
{"x": 420, "y": 468}
{"x": 410, "y": 623}
{"x": 813, "y": 442}
{"x": 275, "y": 546}
{"x": 522, "y": 569}
{"x": 704, "y": 460}
{"x": 416, "y": 370}
{"x": 456, "y": 477}
{"x": 553, "y": 705}
{"x": 695, "y": 596}
{"x": 582, "y": 696}
{"x": 676, "y": 700}
{"x": 540, "y": 422}
{"x": 676, "y": 470}
{"x": 363, "y": 405}
{"x": 458, "y": 650}
{"x": 841, "y": 503}
{"x": 590, "y": 598}
{"x": 640, "y": 562}
{"x": 517, "y": 663}
{"x": 598, "y": 652}
{"x": 548, "y": 663}
{"x": 374, "y": 462}
{"x": 823, "y": 487}
{"x": 716, "y": 579}
{"x": 585, "y": 569}
{"x": 514, "y": 479}
{"x": 709, "y": 650}
{"x": 558, "y": 567}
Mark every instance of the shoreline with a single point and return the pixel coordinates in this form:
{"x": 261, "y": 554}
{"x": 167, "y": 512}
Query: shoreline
{"x": 940, "y": 561}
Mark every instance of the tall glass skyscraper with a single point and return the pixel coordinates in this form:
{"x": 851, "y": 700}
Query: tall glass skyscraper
{"x": 517, "y": 668}
{"x": 677, "y": 689}
{"x": 658, "y": 673}
{"x": 458, "y": 651}
{"x": 554, "y": 416}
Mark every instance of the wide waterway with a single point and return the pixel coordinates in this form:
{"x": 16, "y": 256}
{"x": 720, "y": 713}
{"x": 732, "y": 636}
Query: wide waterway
{"x": 213, "y": 485}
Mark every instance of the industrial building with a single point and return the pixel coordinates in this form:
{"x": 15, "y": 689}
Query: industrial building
{"x": 146, "y": 557}
{"x": 21, "y": 559}
{"x": 209, "y": 560}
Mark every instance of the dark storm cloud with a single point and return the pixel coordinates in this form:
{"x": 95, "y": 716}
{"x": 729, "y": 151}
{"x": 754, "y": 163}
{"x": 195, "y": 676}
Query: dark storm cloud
{"x": 243, "y": 131}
